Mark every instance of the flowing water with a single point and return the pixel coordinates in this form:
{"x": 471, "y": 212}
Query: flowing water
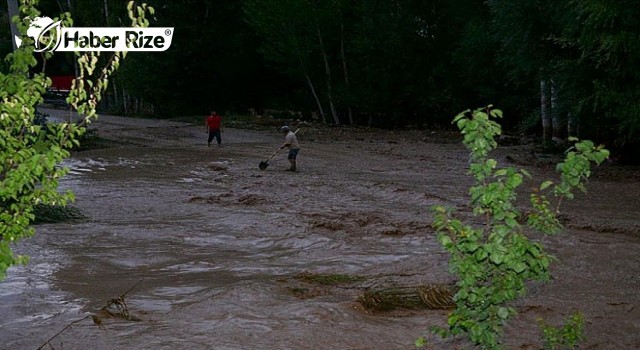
{"x": 208, "y": 249}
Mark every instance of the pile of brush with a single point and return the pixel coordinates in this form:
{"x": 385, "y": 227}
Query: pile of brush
{"x": 430, "y": 296}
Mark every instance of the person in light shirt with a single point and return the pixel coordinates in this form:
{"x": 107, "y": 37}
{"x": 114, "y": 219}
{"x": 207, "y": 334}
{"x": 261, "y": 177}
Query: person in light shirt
{"x": 290, "y": 142}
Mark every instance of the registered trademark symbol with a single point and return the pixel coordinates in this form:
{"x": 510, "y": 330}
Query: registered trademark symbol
{"x": 167, "y": 32}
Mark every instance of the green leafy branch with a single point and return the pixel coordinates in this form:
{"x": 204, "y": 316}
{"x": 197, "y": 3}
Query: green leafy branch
{"x": 493, "y": 262}
{"x": 28, "y": 157}
{"x": 30, "y": 154}
{"x": 86, "y": 90}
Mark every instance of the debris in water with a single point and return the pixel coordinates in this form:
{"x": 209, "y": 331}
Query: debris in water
{"x": 218, "y": 166}
{"x": 116, "y": 307}
{"x": 431, "y": 296}
{"x": 328, "y": 279}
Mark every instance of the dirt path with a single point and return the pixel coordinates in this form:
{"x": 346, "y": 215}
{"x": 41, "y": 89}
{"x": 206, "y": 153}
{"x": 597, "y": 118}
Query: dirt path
{"x": 218, "y": 244}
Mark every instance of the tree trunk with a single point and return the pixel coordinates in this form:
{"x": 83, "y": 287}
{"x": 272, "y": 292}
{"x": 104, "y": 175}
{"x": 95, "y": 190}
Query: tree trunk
{"x": 106, "y": 12}
{"x": 76, "y": 69}
{"x": 572, "y": 125}
{"x": 313, "y": 91}
{"x": 124, "y": 102}
{"x": 13, "y": 9}
{"x": 327, "y": 71}
{"x": 344, "y": 69}
{"x": 555, "y": 113}
{"x": 307, "y": 78}
{"x": 544, "y": 113}
{"x": 115, "y": 95}
{"x": 136, "y": 106}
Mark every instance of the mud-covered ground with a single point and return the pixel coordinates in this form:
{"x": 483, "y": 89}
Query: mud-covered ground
{"x": 209, "y": 250}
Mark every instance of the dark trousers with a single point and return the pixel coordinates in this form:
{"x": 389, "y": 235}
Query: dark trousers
{"x": 214, "y": 133}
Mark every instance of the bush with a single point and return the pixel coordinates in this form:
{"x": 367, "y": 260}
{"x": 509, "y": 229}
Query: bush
{"x": 492, "y": 262}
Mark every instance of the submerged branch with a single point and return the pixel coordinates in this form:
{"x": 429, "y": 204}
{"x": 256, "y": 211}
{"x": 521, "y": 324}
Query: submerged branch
{"x": 123, "y": 312}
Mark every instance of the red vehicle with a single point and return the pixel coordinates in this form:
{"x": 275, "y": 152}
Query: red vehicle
{"x": 61, "y": 83}
{"x": 59, "y": 90}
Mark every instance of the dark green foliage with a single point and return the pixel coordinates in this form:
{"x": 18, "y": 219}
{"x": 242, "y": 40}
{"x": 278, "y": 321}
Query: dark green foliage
{"x": 40, "y": 118}
{"x": 91, "y": 140}
{"x": 590, "y": 49}
{"x": 384, "y": 63}
{"x": 213, "y": 62}
{"x": 45, "y": 214}
{"x": 605, "y": 36}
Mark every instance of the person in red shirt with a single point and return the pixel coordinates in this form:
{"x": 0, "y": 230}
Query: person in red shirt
{"x": 213, "y": 123}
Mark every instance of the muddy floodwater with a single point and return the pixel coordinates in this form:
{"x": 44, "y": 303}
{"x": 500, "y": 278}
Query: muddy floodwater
{"x": 209, "y": 250}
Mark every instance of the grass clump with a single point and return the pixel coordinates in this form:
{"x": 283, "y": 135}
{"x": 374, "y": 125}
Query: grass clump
{"x": 48, "y": 214}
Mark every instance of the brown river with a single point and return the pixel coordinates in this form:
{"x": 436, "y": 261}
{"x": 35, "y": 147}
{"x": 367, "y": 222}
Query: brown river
{"x": 208, "y": 250}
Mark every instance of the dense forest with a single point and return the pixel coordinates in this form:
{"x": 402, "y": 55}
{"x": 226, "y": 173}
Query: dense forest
{"x": 556, "y": 67}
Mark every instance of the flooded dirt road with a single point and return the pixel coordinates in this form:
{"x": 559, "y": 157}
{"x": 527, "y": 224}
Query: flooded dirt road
{"x": 214, "y": 248}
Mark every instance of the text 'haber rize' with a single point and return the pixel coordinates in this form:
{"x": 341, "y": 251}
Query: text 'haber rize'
{"x": 133, "y": 39}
